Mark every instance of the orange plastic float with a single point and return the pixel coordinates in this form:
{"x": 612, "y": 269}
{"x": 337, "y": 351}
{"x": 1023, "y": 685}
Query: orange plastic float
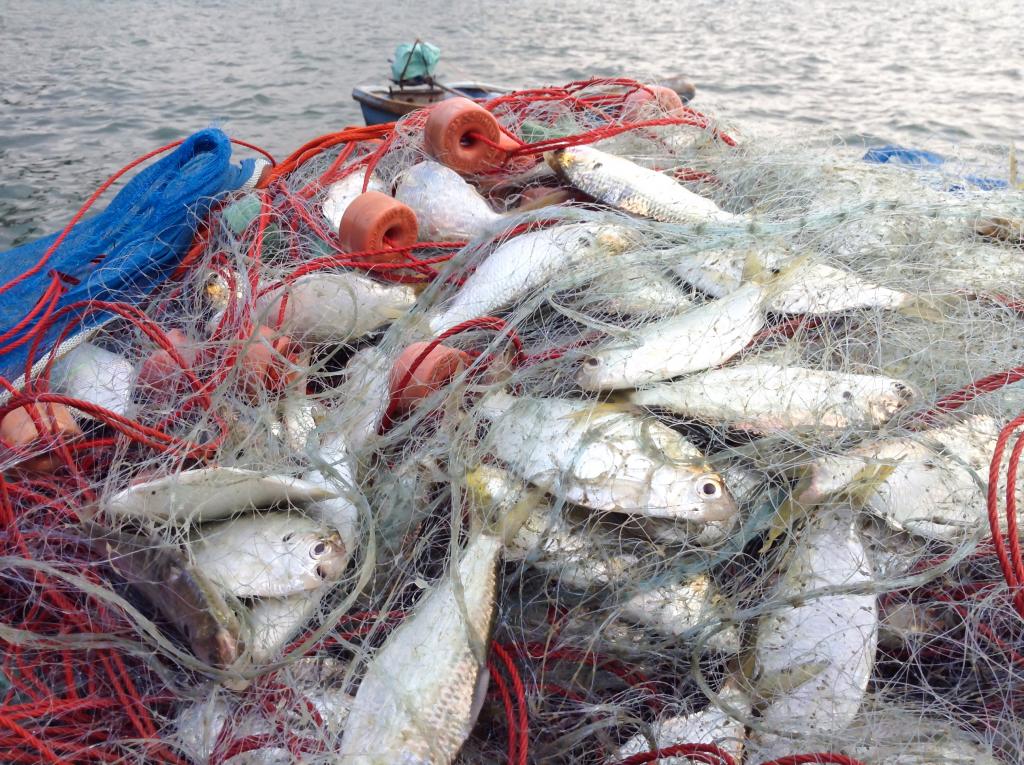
{"x": 667, "y": 101}
{"x": 452, "y": 137}
{"x": 159, "y": 367}
{"x": 266, "y": 360}
{"x": 434, "y": 371}
{"x": 375, "y": 221}
{"x": 17, "y": 430}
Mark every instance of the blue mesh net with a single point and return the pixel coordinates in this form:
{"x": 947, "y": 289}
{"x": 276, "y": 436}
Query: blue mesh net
{"x": 120, "y": 255}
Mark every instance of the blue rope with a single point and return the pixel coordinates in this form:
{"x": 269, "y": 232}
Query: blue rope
{"x": 125, "y": 252}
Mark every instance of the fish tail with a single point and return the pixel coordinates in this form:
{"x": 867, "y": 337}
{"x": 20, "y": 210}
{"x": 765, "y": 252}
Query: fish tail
{"x": 499, "y": 504}
{"x": 934, "y": 308}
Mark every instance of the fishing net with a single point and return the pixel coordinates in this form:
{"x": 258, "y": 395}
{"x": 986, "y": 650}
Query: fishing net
{"x": 284, "y": 462}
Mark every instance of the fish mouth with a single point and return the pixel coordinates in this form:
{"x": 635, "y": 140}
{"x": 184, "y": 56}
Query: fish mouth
{"x": 333, "y": 562}
{"x": 223, "y": 649}
{"x": 558, "y": 160}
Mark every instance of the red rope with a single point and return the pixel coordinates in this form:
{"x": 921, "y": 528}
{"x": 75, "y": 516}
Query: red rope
{"x": 707, "y": 753}
{"x": 1013, "y": 569}
{"x": 521, "y": 727}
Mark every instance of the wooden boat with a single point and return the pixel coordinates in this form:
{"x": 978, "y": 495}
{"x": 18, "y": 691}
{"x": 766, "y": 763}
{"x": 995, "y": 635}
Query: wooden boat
{"x": 386, "y": 103}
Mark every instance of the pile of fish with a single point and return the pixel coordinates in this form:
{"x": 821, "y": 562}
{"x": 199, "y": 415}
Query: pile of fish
{"x": 659, "y": 426}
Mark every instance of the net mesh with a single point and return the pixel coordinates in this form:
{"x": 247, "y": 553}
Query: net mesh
{"x": 254, "y": 518}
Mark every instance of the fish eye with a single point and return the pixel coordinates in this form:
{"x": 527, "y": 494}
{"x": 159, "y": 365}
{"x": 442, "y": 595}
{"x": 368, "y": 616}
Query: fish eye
{"x": 709, "y": 487}
{"x": 847, "y": 396}
{"x": 592, "y": 361}
{"x": 318, "y": 549}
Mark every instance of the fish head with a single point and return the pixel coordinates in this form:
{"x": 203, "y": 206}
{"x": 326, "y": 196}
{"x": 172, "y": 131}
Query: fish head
{"x": 328, "y": 555}
{"x": 217, "y": 647}
{"x": 598, "y": 372}
{"x": 895, "y": 397}
{"x": 210, "y": 625}
{"x": 692, "y": 493}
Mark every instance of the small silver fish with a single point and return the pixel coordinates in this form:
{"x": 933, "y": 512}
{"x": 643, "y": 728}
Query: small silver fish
{"x": 335, "y": 307}
{"x": 933, "y": 484}
{"x": 816, "y": 288}
{"x": 446, "y": 205}
{"x": 275, "y": 621}
{"x": 525, "y": 263}
{"x": 270, "y": 555}
{"x": 813, "y": 659}
{"x": 604, "y": 457}
{"x": 698, "y": 339}
{"x": 617, "y": 182}
{"x": 764, "y": 397}
{"x": 712, "y": 725}
{"x": 206, "y": 494}
{"x": 424, "y": 687}
{"x": 96, "y": 375}
{"x": 342, "y": 193}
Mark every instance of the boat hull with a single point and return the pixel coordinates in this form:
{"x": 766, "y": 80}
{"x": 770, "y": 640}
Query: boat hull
{"x": 382, "y": 104}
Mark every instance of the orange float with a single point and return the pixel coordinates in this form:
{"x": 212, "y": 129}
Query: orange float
{"x": 431, "y": 374}
{"x": 452, "y": 137}
{"x": 17, "y": 430}
{"x": 375, "y": 221}
{"x": 666, "y": 99}
{"x": 159, "y": 367}
{"x": 266, "y": 360}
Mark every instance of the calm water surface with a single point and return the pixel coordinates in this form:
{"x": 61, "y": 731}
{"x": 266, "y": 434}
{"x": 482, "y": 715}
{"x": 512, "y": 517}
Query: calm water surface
{"x": 87, "y": 86}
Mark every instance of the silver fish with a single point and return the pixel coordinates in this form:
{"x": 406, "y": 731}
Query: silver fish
{"x": 636, "y": 289}
{"x": 446, "y": 205}
{"x": 207, "y": 494}
{"x": 698, "y": 339}
{"x": 813, "y": 659}
{"x": 933, "y": 484}
{"x": 764, "y": 397}
{"x": 816, "y": 288}
{"x": 335, "y": 307}
{"x": 525, "y": 263}
{"x": 342, "y": 193}
{"x": 424, "y": 687}
{"x": 604, "y": 458}
{"x": 270, "y": 555}
{"x": 712, "y": 725}
{"x": 275, "y": 621}
{"x": 96, "y": 375}
{"x": 617, "y": 182}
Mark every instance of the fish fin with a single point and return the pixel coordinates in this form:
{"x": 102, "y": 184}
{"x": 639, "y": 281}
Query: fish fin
{"x": 935, "y": 309}
{"x": 785, "y": 517}
{"x": 483, "y": 680}
{"x": 490, "y": 514}
{"x": 791, "y": 510}
{"x": 754, "y": 268}
{"x": 554, "y": 198}
{"x": 773, "y": 279}
{"x": 394, "y": 312}
{"x": 865, "y": 483}
{"x": 781, "y": 682}
{"x": 614, "y": 405}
